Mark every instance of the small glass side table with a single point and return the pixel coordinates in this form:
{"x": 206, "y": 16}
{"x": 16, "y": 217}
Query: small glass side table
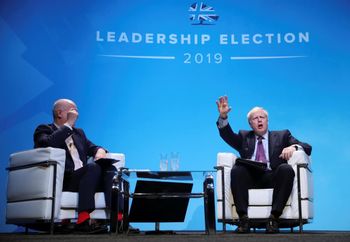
{"x": 160, "y": 196}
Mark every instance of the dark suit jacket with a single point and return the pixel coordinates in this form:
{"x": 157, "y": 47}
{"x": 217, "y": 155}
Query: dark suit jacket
{"x": 244, "y": 143}
{"x": 50, "y": 136}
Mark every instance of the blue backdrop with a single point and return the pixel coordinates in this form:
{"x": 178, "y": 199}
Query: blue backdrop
{"x": 145, "y": 76}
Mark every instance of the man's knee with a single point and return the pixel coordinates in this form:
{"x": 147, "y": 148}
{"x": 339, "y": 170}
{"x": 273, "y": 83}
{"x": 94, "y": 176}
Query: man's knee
{"x": 285, "y": 170}
{"x": 110, "y": 168}
{"x": 94, "y": 168}
{"x": 238, "y": 171}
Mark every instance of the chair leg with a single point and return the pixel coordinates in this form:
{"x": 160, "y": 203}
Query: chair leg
{"x": 52, "y": 226}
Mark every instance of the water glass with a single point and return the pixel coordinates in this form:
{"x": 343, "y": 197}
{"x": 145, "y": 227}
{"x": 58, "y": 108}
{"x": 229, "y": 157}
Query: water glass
{"x": 163, "y": 164}
{"x": 174, "y": 161}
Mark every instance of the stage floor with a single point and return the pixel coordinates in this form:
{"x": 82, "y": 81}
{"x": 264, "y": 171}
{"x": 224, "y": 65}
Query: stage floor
{"x": 309, "y": 236}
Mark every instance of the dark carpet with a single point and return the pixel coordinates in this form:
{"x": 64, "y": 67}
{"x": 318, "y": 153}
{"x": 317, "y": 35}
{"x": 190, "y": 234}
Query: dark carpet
{"x": 307, "y": 236}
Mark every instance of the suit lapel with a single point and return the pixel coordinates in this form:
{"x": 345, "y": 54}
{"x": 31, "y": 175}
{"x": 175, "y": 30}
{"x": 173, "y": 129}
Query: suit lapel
{"x": 53, "y": 126}
{"x": 79, "y": 144}
{"x": 251, "y": 144}
{"x": 272, "y": 143}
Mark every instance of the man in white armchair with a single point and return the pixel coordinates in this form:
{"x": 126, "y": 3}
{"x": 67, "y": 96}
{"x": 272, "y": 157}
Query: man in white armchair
{"x": 259, "y": 144}
{"x": 80, "y": 176}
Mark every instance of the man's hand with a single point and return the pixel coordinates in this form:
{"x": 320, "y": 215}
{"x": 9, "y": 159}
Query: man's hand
{"x": 287, "y": 152}
{"x": 72, "y": 117}
{"x": 223, "y": 106}
{"x": 101, "y": 153}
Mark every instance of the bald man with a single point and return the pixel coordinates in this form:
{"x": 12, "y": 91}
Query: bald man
{"x": 80, "y": 176}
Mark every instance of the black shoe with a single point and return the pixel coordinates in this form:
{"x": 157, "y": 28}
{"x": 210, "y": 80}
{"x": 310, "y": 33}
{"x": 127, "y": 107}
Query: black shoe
{"x": 64, "y": 228}
{"x": 133, "y": 230}
{"x": 87, "y": 228}
{"x": 272, "y": 225}
{"x": 243, "y": 225}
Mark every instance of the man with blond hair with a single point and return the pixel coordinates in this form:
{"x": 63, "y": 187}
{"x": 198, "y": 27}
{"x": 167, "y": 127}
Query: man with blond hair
{"x": 273, "y": 148}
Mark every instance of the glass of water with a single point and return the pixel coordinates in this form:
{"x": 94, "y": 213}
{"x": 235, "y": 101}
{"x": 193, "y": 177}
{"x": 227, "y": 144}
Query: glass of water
{"x": 174, "y": 161}
{"x": 163, "y": 164}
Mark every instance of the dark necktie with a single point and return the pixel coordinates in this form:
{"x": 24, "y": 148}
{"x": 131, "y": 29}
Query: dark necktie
{"x": 260, "y": 152}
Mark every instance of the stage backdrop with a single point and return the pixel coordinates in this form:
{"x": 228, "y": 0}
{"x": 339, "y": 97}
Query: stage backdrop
{"x": 145, "y": 76}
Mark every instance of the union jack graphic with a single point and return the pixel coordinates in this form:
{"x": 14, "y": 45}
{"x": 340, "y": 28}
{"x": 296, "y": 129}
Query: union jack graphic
{"x": 202, "y": 14}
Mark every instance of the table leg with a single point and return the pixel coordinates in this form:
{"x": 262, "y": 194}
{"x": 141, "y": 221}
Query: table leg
{"x": 115, "y": 204}
{"x": 126, "y": 187}
{"x": 209, "y": 205}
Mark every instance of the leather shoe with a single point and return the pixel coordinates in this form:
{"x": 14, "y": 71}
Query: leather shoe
{"x": 133, "y": 230}
{"x": 272, "y": 225}
{"x": 64, "y": 228}
{"x": 243, "y": 225}
{"x": 88, "y": 228}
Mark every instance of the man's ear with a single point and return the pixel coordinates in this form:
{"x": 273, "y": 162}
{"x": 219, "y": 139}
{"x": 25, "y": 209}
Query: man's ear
{"x": 250, "y": 124}
{"x": 59, "y": 114}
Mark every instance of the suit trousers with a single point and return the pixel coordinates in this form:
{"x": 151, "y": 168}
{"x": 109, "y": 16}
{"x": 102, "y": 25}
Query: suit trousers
{"x": 244, "y": 178}
{"x": 88, "y": 180}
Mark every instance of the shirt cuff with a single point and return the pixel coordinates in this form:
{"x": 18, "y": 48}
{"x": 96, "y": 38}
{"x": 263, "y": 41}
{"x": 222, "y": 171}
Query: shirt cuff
{"x": 222, "y": 122}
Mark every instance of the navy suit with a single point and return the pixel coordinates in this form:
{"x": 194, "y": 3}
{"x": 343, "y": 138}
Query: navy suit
{"x": 51, "y": 136}
{"x": 86, "y": 180}
{"x": 244, "y": 143}
{"x": 280, "y": 177}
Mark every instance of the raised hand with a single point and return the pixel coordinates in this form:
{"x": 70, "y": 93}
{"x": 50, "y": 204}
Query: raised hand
{"x": 72, "y": 117}
{"x": 223, "y": 106}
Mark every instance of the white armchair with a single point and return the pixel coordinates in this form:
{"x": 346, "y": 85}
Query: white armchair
{"x": 34, "y": 190}
{"x": 298, "y": 210}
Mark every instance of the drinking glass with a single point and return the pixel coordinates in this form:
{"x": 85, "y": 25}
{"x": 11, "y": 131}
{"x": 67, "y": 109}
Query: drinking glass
{"x": 163, "y": 164}
{"x": 174, "y": 161}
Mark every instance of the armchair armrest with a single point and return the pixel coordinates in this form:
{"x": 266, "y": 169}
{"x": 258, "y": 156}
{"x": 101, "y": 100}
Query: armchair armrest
{"x": 117, "y": 156}
{"x": 302, "y": 193}
{"x": 226, "y": 160}
{"x": 30, "y": 157}
{"x": 299, "y": 157}
{"x": 35, "y": 181}
{"x": 224, "y": 164}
